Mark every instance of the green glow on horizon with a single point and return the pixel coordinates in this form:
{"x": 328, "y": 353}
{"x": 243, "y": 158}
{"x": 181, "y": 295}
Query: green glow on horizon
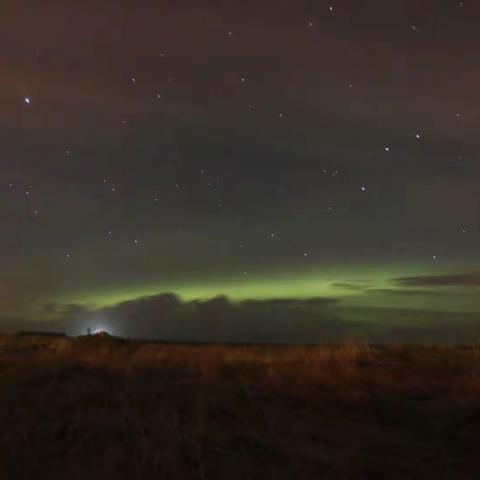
{"x": 298, "y": 285}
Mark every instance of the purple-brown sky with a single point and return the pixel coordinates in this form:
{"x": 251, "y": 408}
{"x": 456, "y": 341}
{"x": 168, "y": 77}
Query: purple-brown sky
{"x": 253, "y": 149}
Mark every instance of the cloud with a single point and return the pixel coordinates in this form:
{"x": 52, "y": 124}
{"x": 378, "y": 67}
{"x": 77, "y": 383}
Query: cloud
{"x": 461, "y": 279}
{"x": 290, "y": 303}
{"x": 394, "y": 291}
{"x": 167, "y": 317}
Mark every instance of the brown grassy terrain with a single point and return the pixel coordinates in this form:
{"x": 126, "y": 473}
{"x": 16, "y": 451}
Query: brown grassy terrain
{"x": 102, "y": 408}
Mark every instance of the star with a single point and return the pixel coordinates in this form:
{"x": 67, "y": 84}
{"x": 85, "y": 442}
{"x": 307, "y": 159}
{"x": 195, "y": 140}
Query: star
{"x": 223, "y": 115}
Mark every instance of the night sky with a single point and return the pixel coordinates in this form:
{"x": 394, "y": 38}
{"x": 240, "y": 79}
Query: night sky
{"x": 313, "y": 163}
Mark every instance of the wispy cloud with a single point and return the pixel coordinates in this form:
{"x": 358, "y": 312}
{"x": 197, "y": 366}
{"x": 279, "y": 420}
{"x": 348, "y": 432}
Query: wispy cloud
{"x": 400, "y": 291}
{"x": 461, "y": 279}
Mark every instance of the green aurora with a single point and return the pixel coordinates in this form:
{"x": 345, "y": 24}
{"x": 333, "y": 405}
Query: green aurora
{"x": 358, "y": 285}
{"x": 245, "y": 151}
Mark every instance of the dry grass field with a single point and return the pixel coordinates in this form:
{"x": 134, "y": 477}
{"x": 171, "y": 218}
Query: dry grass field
{"x": 103, "y": 408}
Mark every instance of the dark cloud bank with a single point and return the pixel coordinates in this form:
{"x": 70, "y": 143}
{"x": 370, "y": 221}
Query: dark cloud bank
{"x": 460, "y": 280}
{"x": 317, "y": 320}
{"x": 167, "y": 317}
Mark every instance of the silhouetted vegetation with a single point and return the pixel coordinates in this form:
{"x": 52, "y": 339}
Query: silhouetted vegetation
{"x": 99, "y": 407}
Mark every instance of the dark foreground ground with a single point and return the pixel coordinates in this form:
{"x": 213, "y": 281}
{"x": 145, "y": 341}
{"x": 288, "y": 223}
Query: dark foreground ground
{"x": 101, "y": 408}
